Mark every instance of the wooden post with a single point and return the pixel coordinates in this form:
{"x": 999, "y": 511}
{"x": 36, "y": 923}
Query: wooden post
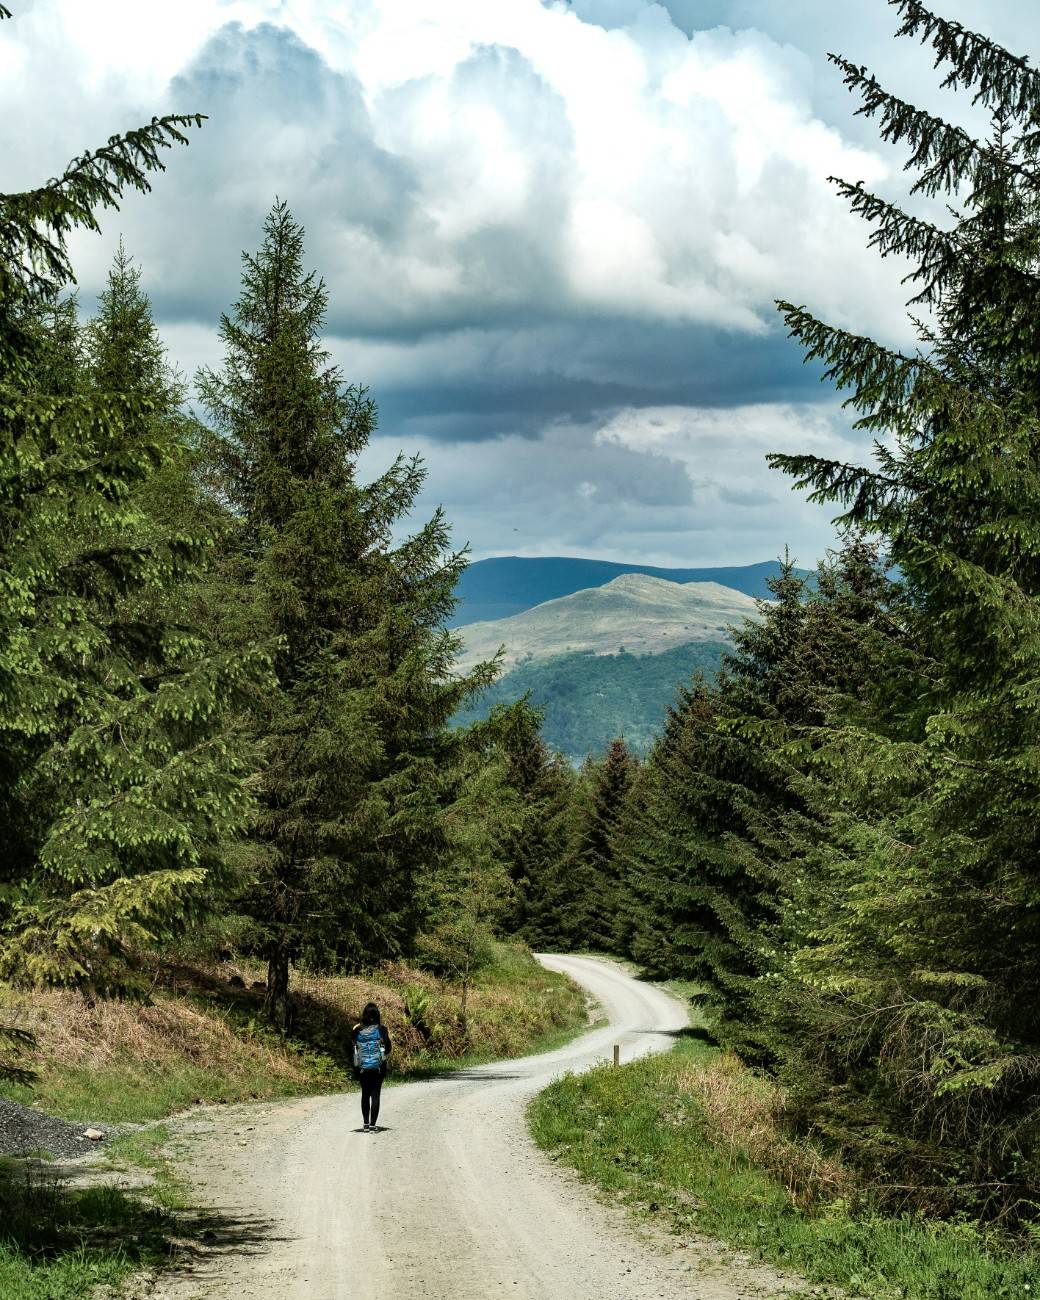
{"x": 617, "y": 1053}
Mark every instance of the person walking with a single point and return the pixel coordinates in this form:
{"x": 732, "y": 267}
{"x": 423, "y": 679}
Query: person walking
{"x": 371, "y": 1049}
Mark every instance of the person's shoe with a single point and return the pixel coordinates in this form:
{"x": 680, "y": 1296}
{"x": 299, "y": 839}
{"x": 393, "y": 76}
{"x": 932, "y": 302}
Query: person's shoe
{"x": 368, "y": 1128}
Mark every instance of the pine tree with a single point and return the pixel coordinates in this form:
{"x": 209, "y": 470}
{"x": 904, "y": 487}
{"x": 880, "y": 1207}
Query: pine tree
{"x": 352, "y": 748}
{"x": 138, "y": 783}
{"x": 919, "y": 989}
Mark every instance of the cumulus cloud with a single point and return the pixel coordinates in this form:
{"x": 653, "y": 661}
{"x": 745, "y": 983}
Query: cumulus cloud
{"x": 461, "y": 163}
{"x": 552, "y": 232}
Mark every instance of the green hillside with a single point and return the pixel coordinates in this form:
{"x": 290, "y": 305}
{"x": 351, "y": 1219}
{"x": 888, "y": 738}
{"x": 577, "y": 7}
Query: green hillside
{"x": 591, "y": 699}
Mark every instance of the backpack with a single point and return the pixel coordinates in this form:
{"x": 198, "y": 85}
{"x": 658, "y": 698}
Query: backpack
{"x": 368, "y": 1048}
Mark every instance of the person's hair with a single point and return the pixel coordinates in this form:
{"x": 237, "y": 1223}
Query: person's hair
{"x": 370, "y": 1015}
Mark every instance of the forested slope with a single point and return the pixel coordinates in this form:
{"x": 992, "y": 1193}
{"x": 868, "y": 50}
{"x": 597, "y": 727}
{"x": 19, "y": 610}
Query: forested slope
{"x": 588, "y": 700}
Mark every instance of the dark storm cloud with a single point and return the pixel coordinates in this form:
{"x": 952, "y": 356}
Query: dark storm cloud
{"x": 569, "y": 370}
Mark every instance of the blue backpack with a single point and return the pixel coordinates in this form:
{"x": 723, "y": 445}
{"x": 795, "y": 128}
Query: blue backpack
{"x": 368, "y": 1048}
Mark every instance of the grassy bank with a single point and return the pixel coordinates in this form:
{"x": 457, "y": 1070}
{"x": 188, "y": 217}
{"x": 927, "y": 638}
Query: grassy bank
{"x": 57, "y": 1243}
{"x": 691, "y": 1137}
{"x": 201, "y": 1036}
{"x": 63, "y": 1242}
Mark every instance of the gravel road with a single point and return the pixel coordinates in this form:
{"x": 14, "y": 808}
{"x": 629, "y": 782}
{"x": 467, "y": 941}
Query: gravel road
{"x": 450, "y": 1200}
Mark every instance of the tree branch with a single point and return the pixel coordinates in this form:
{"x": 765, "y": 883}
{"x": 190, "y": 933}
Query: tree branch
{"x": 998, "y": 76}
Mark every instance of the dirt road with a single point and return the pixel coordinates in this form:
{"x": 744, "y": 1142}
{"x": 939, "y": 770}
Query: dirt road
{"x": 449, "y": 1200}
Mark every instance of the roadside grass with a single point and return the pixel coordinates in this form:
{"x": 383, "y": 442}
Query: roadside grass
{"x": 200, "y": 1035}
{"x": 62, "y": 1244}
{"x": 146, "y": 1149}
{"x": 690, "y": 1137}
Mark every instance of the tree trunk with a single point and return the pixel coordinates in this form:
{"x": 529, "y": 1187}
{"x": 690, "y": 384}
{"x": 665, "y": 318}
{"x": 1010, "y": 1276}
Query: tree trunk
{"x": 462, "y": 1009}
{"x": 276, "y": 1003}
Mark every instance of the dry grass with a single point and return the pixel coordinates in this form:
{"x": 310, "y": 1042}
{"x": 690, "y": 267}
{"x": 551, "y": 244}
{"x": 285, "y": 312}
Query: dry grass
{"x": 75, "y": 1033}
{"x": 744, "y": 1113}
{"x": 201, "y": 1036}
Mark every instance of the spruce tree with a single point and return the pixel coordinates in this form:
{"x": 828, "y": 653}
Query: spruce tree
{"x": 919, "y": 985}
{"x": 549, "y": 797}
{"x": 722, "y": 814}
{"x": 465, "y": 897}
{"x": 352, "y": 749}
{"x": 590, "y": 913}
{"x": 121, "y": 348}
{"x": 117, "y": 783}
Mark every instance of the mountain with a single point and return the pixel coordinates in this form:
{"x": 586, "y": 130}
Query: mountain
{"x": 633, "y": 612}
{"x": 606, "y": 661}
{"x": 509, "y": 584}
{"x": 589, "y": 700}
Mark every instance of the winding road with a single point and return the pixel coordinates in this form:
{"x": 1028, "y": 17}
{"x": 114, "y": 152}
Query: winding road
{"x": 450, "y": 1201}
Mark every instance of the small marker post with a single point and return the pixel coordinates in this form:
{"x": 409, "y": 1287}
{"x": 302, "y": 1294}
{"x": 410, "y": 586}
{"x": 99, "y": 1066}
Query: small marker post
{"x": 617, "y": 1053}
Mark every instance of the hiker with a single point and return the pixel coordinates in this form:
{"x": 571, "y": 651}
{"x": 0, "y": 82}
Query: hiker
{"x": 371, "y": 1048}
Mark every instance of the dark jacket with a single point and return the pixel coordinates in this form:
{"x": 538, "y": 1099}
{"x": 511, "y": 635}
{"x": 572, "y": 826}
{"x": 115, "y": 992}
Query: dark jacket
{"x": 382, "y": 1034}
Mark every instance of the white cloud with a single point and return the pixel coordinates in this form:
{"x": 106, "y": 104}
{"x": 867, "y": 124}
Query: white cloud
{"x": 529, "y": 215}
{"x": 552, "y": 163}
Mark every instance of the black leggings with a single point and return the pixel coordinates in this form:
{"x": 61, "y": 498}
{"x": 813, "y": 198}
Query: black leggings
{"x": 371, "y": 1082}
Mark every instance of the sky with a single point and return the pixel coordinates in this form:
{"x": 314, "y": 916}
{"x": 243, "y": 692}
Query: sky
{"x": 552, "y": 231}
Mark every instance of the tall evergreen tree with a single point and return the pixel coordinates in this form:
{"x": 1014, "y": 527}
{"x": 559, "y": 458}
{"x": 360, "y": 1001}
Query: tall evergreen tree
{"x": 466, "y": 895}
{"x": 549, "y": 797}
{"x": 920, "y": 1024}
{"x": 721, "y": 816}
{"x": 353, "y": 746}
{"x": 138, "y": 779}
{"x": 121, "y": 350}
{"x": 593, "y": 901}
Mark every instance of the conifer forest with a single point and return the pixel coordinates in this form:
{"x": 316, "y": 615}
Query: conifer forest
{"x": 229, "y": 701}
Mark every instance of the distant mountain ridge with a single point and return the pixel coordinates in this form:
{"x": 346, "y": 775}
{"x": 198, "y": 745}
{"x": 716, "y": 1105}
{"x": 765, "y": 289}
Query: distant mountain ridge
{"x": 634, "y": 612}
{"x": 510, "y": 584}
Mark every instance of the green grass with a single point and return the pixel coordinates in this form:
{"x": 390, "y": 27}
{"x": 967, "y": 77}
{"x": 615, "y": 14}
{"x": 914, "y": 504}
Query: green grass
{"x": 125, "y": 1093}
{"x": 60, "y": 1244}
{"x": 435, "y": 1066}
{"x": 146, "y": 1149}
{"x": 638, "y": 1132}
